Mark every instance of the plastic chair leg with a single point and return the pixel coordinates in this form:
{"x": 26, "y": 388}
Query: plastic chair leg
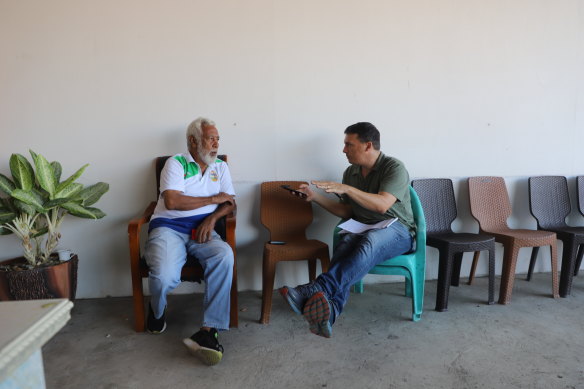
{"x": 569, "y": 259}
{"x": 409, "y": 289}
{"x": 473, "y": 268}
{"x": 269, "y": 271}
{"x": 491, "y": 299}
{"x": 358, "y": 287}
{"x": 311, "y": 269}
{"x": 534, "y": 253}
{"x": 456, "y": 265}
{"x": 554, "y": 262}
{"x": 417, "y": 295}
{"x": 579, "y": 260}
{"x": 443, "y": 287}
{"x": 508, "y": 273}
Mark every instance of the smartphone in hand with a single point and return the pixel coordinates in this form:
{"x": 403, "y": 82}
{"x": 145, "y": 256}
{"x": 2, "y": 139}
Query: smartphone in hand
{"x": 294, "y": 192}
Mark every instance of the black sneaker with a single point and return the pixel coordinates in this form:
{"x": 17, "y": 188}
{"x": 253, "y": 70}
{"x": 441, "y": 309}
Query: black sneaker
{"x": 205, "y": 345}
{"x": 297, "y": 297}
{"x": 154, "y": 325}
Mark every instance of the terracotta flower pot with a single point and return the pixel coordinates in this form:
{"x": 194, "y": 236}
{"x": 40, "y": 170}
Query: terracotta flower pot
{"x": 44, "y": 282}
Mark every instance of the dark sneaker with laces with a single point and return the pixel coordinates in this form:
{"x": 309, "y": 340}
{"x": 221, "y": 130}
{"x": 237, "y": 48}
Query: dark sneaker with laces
{"x": 154, "y": 325}
{"x": 317, "y": 312}
{"x": 205, "y": 345}
{"x": 297, "y": 297}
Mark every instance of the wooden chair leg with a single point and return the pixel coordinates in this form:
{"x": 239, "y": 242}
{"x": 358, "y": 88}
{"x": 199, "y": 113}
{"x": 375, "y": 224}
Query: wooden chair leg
{"x": 269, "y": 271}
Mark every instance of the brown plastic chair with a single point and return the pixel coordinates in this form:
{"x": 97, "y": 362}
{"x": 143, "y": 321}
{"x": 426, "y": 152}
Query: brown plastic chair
{"x": 191, "y": 271}
{"x": 489, "y": 204}
{"x": 286, "y": 217}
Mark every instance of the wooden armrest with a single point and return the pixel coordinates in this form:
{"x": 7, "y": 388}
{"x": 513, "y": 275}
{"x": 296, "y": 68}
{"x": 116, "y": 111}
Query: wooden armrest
{"x": 230, "y": 221}
{"x": 134, "y": 227}
{"x": 136, "y": 223}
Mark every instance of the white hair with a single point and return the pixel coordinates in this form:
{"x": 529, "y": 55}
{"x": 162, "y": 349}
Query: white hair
{"x": 195, "y": 129}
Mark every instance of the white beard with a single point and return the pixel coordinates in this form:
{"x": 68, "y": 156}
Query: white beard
{"x": 207, "y": 158}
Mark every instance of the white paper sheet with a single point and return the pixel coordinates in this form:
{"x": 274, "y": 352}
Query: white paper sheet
{"x": 356, "y": 227}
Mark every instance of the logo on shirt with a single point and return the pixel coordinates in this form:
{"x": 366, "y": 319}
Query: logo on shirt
{"x": 214, "y": 176}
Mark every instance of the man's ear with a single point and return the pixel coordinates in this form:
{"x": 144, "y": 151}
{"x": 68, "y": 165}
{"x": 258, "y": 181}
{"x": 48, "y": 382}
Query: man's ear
{"x": 368, "y": 146}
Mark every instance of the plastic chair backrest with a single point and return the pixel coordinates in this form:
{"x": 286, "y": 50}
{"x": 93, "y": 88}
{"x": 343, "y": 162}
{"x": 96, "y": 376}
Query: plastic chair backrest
{"x": 437, "y": 198}
{"x": 420, "y": 220}
{"x": 489, "y": 202}
{"x": 580, "y": 185}
{"x": 549, "y": 201}
{"x": 284, "y": 215}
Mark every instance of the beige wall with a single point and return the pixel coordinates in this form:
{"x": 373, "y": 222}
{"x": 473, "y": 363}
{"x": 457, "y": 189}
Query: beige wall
{"x": 457, "y": 88}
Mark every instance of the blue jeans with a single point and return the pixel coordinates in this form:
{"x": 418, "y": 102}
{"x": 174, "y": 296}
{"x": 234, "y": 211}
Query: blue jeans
{"x": 166, "y": 253}
{"x": 355, "y": 255}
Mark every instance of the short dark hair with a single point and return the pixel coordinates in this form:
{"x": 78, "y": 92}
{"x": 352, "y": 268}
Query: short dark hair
{"x": 366, "y": 132}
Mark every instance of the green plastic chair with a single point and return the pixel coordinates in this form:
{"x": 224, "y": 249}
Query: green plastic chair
{"x": 412, "y": 266}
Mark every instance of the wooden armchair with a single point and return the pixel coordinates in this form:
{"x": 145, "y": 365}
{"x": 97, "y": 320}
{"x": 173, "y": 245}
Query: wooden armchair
{"x": 192, "y": 270}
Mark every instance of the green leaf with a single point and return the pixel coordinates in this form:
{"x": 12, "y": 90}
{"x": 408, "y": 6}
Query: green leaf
{"x": 22, "y": 171}
{"x": 24, "y": 207}
{"x": 98, "y": 213}
{"x": 70, "y": 191}
{"x": 71, "y": 179}
{"x": 78, "y": 210}
{"x": 6, "y": 185}
{"x": 58, "y": 169}
{"x": 30, "y": 198}
{"x": 93, "y": 193}
{"x": 40, "y": 194}
{"x": 45, "y": 174}
{"x": 6, "y": 215}
{"x": 53, "y": 203}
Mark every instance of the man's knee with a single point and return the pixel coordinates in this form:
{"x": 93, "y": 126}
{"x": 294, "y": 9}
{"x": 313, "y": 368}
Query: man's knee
{"x": 165, "y": 277}
{"x": 225, "y": 256}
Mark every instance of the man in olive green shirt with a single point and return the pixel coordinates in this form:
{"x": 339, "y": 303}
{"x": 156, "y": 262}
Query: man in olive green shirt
{"x": 375, "y": 188}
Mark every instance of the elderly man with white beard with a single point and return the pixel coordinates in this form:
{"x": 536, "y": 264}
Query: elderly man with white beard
{"x": 195, "y": 192}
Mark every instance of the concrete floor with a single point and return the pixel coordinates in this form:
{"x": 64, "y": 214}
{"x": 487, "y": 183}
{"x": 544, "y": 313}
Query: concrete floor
{"x": 535, "y": 342}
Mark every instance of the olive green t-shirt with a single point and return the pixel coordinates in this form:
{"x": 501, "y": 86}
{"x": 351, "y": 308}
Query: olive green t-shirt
{"x": 388, "y": 175}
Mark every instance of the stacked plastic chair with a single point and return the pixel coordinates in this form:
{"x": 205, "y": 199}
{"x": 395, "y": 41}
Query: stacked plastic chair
{"x": 489, "y": 204}
{"x": 438, "y": 202}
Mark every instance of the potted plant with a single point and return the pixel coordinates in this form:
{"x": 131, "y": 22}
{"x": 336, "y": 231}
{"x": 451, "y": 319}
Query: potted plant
{"x": 32, "y": 207}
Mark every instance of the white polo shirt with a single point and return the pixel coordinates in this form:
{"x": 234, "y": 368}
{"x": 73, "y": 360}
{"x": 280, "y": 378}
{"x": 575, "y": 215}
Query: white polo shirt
{"x": 183, "y": 174}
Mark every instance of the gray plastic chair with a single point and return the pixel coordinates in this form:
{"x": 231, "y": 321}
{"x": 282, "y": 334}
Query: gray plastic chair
{"x": 439, "y": 205}
{"x": 549, "y": 203}
{"x": 580, "y": 186}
